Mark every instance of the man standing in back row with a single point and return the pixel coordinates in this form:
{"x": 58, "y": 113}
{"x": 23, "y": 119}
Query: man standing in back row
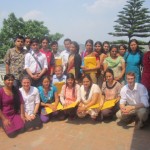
{"x": 14, "y": 60}
{"x": 35, "y": 63}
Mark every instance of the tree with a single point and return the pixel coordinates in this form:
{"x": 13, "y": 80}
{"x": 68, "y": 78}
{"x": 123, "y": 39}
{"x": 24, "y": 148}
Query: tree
{"x": 17, "y": 26}
{"x": 133, "y": 21}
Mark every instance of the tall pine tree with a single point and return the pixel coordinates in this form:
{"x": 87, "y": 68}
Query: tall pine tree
{"x": 133, "y": 21}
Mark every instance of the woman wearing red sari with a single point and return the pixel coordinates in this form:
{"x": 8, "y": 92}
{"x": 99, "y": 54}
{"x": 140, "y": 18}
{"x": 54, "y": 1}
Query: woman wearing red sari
{"x": 146, "y": 70}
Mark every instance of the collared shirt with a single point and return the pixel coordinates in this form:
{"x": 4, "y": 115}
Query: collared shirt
{"x": 136, "y": 96}
{"x": 64, "y": 55}
{"x": 31, "y": 63}
{"x": 15, "y": 60}
{"x": 55, "y": 79}
{"x": 30, "y": 99}
{"x": 57, "y": 55}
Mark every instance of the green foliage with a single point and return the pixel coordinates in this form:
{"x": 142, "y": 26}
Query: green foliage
{"x": 13, "y": 26}
{"x": 133, "y": 21}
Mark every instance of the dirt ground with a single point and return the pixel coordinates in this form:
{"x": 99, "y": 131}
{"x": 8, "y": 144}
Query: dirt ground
{"x": 80, "y": 134}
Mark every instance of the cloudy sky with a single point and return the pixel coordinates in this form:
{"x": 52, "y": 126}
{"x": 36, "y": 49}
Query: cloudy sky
{"x": 76, "y": 19}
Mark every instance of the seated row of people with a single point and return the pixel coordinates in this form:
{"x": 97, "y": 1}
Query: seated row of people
{"x": 27, "y": 107}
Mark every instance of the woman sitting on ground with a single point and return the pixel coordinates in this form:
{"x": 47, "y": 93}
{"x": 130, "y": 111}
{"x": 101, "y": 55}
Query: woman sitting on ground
{"x": 90, "y": 95}
{"x": 11, "y": 107}
{"x": 110, "y": 90}
{"x": 48, "y": 94}
{"x": 70, "y": 93}
{"x": 31, "y": 99}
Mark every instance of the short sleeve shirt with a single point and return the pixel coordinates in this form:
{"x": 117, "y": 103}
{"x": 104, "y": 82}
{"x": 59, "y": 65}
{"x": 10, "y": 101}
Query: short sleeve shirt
{"x": 94, "y": 89}
{"x": 15, "y": 60}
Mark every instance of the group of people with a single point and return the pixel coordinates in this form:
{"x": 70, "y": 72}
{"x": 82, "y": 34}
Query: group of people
{"x": 100, "y": 74}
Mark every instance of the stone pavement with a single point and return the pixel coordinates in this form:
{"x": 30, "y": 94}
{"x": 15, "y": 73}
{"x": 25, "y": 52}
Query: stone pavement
{"x": 79, "y": 134}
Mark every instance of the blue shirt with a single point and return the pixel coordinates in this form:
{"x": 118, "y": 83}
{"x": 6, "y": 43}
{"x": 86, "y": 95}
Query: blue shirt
{"x": 55, "y": 79}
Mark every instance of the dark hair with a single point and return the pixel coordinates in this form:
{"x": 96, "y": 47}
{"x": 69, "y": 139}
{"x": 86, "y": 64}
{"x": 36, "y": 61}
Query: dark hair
{"x": 149, "y": 43}
{"x": 99, "y": 43}
{"x": 27, "y": 37}
{"x": 69, "y": 40}
{"x": 15, "y": 91}
{"x": 134, "y": 40}
{"x": 46, "y": 77}
{"x": 26, "y": 77}
{"x": 122, "y": 45}
{"x": 108, "y": 70}
{"x": 71, "y": 76}
{"x": 89, "y": 78}
{"x": 45, "y": 38}
{"x": 113, "y": 46}
{"x": 106, "y": 42}
{"x": 89, "y": 41}
{"x": 19, "y": 37}
{"x": 76, "y": 46}
{"x": 34, "y": 40}
{"x": 54, "y": 43}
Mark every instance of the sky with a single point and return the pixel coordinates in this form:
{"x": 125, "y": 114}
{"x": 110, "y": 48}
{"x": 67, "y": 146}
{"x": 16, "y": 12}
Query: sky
{"x": 78, "y": 20}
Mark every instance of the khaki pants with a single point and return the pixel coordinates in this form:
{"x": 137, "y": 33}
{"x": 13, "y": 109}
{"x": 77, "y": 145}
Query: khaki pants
{"x": 141, "y": 114}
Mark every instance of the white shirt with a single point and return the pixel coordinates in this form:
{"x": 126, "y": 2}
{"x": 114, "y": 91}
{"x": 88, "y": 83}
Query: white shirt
{"x": 55, "y": 79}
{"x": 31, "y": 63}
{"x": 94, "y": 89}
{"x": 132, "y": 97}
{"x": 64, "y": 55}
{"x": 30, "y": 99}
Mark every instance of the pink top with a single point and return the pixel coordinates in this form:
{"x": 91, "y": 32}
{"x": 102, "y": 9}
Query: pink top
{"x": 70, "y": 95}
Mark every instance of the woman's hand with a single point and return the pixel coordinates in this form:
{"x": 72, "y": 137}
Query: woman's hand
{"x": 6, "y": 123}
{"x": 54, "y": 107}
{"x": 23, "y": 117}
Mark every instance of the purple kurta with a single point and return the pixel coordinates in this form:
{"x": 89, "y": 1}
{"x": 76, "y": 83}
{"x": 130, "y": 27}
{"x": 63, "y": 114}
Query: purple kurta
{"x": 7, "y": 108}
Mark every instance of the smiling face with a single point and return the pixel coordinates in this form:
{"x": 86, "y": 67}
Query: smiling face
{"x": 109, "y": 77}
{"x": 113, "y": 52}
{"x": 46, "y": 83}
{"x": 72, "y": 48}
{"x": 98, "y": 48}
{"x": 70, "y": 82}
{"x": 106, "y": 47}
{"x": 130, "y": 81}
{"x": 9, "y": 82}
{"x": 26, "y": 83}
{"x": 86, "y": 83}
{"x": 58, "y": 71}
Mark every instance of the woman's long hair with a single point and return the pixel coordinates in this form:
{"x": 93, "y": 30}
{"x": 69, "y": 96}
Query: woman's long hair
{"x": 71, "y": 76}
{"x": 47, "y": 77}
{"x": 15, "y": 91}
{"x": 89, "y": 89}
